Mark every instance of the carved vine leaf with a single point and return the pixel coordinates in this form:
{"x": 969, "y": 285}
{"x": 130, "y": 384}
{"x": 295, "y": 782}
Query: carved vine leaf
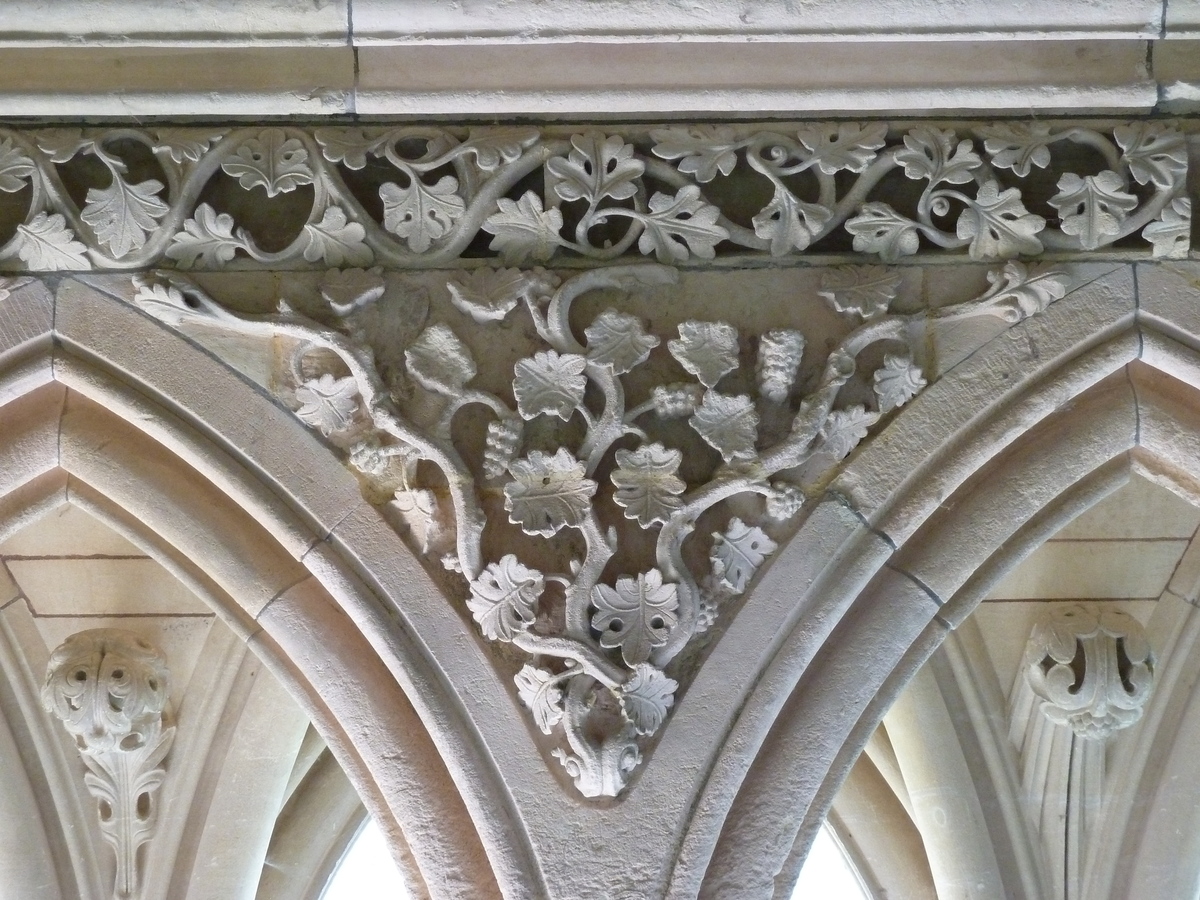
{"x": 549, "y": 383}
{"x": 618, "y": 340}
{"x": 998, "y": 225}
{"x": 272, "y": 160}
{"x": 636, "y": 616}
{"x": 523, "y": 230}
{"x": 728, "y": 424}
{"x": 336, "y": 241}
{"x": 542, "y": 694}
{"x": 897, "y": 381}
{"x": 679, "y": 225}
{"x": 865, "y": 291}
{"x": 122, "y": 214}
{"x": 880, "y": 229}
{"x": 1093, "y": 207}
{"x": 208, "y": 239}
{"x": 15, "y": 167}
{"x": 646, "y": 697}
{"x": 504, "y": 598}
{"x": 185, "y": 144}
{"x": 702, "y": 150}
{"x": 845, "y": 429}
{"x": 789, "y": 223}
{"x": 439, "y": 361}
{"x": 648, "y": 487}
{"x": 847, "y": 146}
{"x": 598, "y": 166}
{"x": 738, "y": 554}
{"x": 1154, "y": 153}
{"x": 61, "y": 144}
{"x": 779, "y": 354}
{"x": 45, "y": 243}
{"x": 494, "y": 147}
{"x": 708, "y": 350}
{"x": 932, "y": 154}
{"x": 1016, "y": 294}
{"x": 349, "y": 146}
{"x": 1171, "y": 232}
{"x": 328, "y": 403}
{"x": 421, "y": 213}
{"x": 347, "y": 290}
{"x": 1018, "y": 146}
{"x": 548, "y": 492}
{"x": 488, "y": 295}
{"x": 501, "y": 445}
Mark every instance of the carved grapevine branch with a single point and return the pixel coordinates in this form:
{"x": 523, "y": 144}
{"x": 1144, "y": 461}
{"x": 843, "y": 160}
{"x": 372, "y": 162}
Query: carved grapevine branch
{"x": 576, "y": 454}
{"x": 422, "y": 197}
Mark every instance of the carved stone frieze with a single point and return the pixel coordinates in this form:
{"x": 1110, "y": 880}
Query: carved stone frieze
{"x": 617, "y": 485}
{"x": 422, "y": 196}
{"x": 1092, "y": 669}
{"x": 109, "y": 688}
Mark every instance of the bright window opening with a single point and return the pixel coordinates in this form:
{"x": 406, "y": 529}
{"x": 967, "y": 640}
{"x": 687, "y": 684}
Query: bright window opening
{"x": 366, "y": 872}
{"x": 828, "y": 873}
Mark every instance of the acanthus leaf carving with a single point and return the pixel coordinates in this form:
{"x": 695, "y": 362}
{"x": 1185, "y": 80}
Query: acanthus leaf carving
{"x": 109, "y": 687}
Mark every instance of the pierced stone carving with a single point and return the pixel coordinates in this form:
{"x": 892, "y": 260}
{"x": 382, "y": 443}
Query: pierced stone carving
{"x": 607, "y": 193}
{"x": 1092, "y": 669}
{"x": 109, "y": 687}
{"x": 594, "y": 461}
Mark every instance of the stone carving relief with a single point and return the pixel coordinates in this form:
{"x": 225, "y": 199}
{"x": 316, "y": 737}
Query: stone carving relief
{"x": 419, "y": 196}
{"x": 1087, "y": 673}
{"x": 109, "y": 688}
{"x": 1092, "y": 669}
{"x": 615, "y": 489}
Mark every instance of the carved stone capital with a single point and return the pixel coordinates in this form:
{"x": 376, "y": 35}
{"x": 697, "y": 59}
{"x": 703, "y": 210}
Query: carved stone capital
{"x": 109, "y": 687}
{"x": 1092, "y": 668}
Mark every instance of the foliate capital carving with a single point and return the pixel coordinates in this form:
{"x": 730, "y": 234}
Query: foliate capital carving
{"x": 423, "y": 196}
{"x": 109, "y": 688}
{"x": 628, "y": 479}
{"x": 1092, "y": 668}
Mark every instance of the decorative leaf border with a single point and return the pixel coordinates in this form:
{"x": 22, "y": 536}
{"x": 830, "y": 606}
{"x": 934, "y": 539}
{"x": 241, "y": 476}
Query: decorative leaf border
{"x": 419, "y": 196}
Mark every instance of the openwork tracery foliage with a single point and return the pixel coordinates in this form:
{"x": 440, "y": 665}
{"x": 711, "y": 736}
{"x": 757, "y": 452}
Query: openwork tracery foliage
{"x": 425, "y": 196}
{"x": 596, "y": 471}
